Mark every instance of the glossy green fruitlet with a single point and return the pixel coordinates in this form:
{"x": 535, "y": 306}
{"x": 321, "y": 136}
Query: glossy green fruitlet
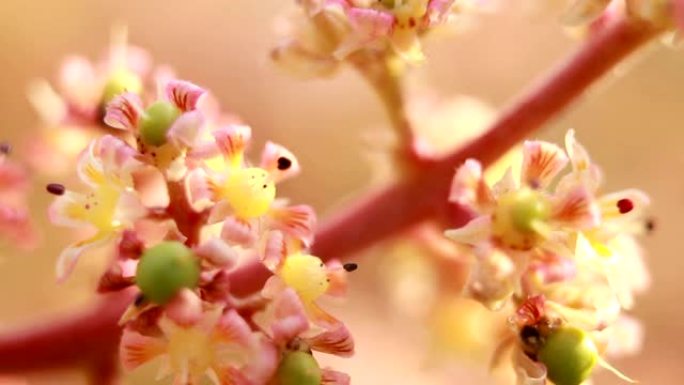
{"x": 299, "y": 368}
{"x": 156, "y": 121}
{"x": 165, "y": 269}
{"x": 569, "y": 355}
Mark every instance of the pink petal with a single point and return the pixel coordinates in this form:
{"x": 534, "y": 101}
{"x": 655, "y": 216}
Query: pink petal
{"x": 124, "y": 111}
{"x": 576, "y": 208}
{"x": 66, "y": 262}
{"x": 232, "y": 140}
{"x": 60, "y": 213}
{"x": 542, "y": 162}
{"x": 289, "y": 317}
{"x": 198, "y": 190}
{"x": 238, "y": 231}
{"x": 136, "y": 349}
{"x": 296, "y": 221}
{"x": 338, "y": 341}
{"x": 119, "y": 275}
{"x": 184, "y": 94}
{"x": 476, "y": 231}
{"x": 468, "y": 187}
{"x": 275, "y": 250}
{"x": 16, "y": 225}
{"x": 531, "y": 311}
{"x": 279, "y": 162}
{"x": 528, "y": 371}
{"x": 332, "y": 377}
{"x": 78, "y": 80}
{"x": 187, "y": 129}
{"x": 438, "y": 11}
{"x": 218, "y": 253}
{"x": 185, "y": 309}
{"x": 368, "y": 25}
{"x": 116, "y": 155}
{"x": 129, "y": 208}
{"x": 232, "y": 328}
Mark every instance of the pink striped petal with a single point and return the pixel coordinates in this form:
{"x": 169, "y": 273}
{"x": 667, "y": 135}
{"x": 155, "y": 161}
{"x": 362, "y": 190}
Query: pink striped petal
{"x": 136, "y": 349}
{"x": 576, "y": 208}
{"x": 232, "y": 328}
{"x": 368, "y": 25}
{"x": 186, "y": 130}
{"x": 198, "y": 190}
{"x": 296, "y": 221}
{"x": 238, "y": 231}
{"x": 468, "y": 187}
{"x": 119, "y": 275}
{"x": 184, "y": 94}
{"x": 542, "y": 162}
{"x": 332, "y": 377}
{"x": 279, "y": 162}
{"x": 124, "y": 111}
{"x": 338, "y": 341}
{"x": 289, "y": 317}
{"x": 233, "y": 140}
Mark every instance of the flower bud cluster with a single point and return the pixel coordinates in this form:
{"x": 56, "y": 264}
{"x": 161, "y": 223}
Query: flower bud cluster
{"x": 549, "y": 243}
{"x": 176, "y": 196}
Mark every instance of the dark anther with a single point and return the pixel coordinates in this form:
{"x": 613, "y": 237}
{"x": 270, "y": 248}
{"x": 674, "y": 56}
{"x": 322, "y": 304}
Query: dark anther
{"x": 139, "y": 300}
{"x": 625, "y": 205}
{"x": 284, "y": 163}
{"x": 650, "y": 225}
{"x": 264, "y": 186}
{"x": 55, "y": 188}
{"x": 5, "y": 148}
{"x": 350, "y": 267}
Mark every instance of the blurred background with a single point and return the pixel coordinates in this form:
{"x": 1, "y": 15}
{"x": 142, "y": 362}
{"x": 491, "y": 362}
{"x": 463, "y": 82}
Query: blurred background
{"x": 631, "y": 123}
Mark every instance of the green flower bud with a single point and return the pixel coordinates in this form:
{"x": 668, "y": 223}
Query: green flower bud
{"x": 156, "y": 121}
{"x": 299, "y": 368}
{"x": 516, "y": 215}
{"x": 121, "y": 81}
{"x": 165, "y": 269}
{"x": 569, "y": 355}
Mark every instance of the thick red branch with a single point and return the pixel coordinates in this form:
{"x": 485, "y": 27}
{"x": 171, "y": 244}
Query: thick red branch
{"x": 376, "y": 216}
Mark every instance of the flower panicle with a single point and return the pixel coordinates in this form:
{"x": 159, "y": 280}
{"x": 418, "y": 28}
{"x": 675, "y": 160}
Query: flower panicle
{"x": 183, "y": 206}
{"x": 548, "y": 241}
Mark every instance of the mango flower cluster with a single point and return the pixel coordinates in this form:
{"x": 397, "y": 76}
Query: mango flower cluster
{"x": 16, "y": 227}
{"x": 182, "y": 206}
{"x": 330, "y": 31}
{"x": 547, "y": 242}
{"x": 71, "y": 109}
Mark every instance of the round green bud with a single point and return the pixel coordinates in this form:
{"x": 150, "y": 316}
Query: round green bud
{"x": 121, "y": 81}
{"x": 299, "y": 368}
{"x": 166, "y": 268}
{"x": 569, "y": 355}
{"x": 155, "y": 122}
{"x": 527, "y": 208}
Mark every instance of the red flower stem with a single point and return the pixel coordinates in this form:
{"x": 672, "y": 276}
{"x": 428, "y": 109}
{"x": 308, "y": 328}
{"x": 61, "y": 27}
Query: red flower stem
{"x": 423, "y": 194}
{"x": 80, "y": 338}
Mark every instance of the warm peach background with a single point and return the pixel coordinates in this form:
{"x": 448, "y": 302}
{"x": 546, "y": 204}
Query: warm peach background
{"x": 631, "y": 122}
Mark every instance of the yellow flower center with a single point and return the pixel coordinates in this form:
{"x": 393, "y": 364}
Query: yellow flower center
{"x": 306, "y": 275}
{"x": 191, "y": 348}
{"x": 249, "y": 191}
{"x": 519, "y": 217}
{"x": 98, "y": 208}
